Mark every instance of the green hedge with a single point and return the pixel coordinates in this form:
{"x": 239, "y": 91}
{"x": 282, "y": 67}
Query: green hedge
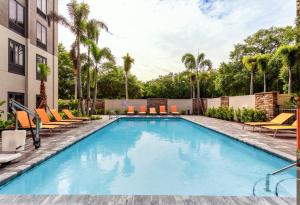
{"x": 244, "y": 115}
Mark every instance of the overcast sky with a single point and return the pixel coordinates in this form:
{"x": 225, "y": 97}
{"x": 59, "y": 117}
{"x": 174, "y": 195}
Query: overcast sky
{"x": 156, "y": 33}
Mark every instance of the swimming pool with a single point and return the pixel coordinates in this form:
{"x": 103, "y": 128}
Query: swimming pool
{"x": 157, "y": 156}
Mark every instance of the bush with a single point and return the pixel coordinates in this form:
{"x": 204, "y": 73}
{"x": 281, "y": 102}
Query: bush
{"x": 99, "y": 111}
{"x": 108, "y": 112}
{"x": 6, "y": 124}
{"x": 118, "y": 111}
{"x": 183, "y": 112}
{"x": 245, "y": 115}
{"x": 73, "y": 104}
{"x": 75, "y": 112}
{"x": 95, "y": 117}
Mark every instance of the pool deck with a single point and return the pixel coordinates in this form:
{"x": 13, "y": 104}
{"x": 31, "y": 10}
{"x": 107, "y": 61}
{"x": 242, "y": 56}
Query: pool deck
{"x": 57, "y": 142}
{"x": 143, "y": 200}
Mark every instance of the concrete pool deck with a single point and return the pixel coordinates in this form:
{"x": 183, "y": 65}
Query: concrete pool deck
{"x": 51, "y": 145}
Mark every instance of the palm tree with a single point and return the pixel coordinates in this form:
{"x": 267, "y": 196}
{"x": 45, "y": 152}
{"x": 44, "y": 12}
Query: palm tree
{"x": 44, "y": 71}
{"x": 78, "y": 13}
{"x": 263, "y": 65}
{"x": 93, "y": 27}
{"x": 98, "y": 56}
{"x": 288, "y": 56}
{"x": 128, "y": 61}
{"x": 250, "y": 63}
{"x": 196, "y": 65}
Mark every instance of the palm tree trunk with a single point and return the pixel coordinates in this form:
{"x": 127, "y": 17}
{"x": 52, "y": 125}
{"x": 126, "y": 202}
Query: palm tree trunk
{"x": 251, "y": 83}
{"x": 43, "y": 95}
{"x": 126, "y": 85}
{"x": 265, "y": 83}
{"x": 88, "y": 85}
{"x": 75, "y": 87}
{"x": 290, "y": 82}
{"x": 79, "y": 85}
{"x": 94, "y": 98}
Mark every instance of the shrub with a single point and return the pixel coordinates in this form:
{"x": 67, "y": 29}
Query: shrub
{"x": 238, "y": 115}
{"x": 118, "y": 111}
{"x": 245, "y": 115}
{"x": 108, "y": 112}
{"x": 99, "y": 111}
{"x": 6, "y": 124}
{"x": 183, "y": 112}
{"x": 95, "y": 117}
{"x": 75, "y": 112}
{"x": 73, "y": 104}
{"x": 63, "y": 115}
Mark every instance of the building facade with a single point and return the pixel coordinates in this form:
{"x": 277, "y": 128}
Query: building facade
{"x": 27, "y": 38}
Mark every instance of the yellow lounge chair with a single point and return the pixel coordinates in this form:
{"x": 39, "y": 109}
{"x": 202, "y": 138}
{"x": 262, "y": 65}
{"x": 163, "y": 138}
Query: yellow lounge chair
{"x": 152, "y": 111}
{"x": 72, "y": 117}
{"x": 174, "y": 110}
{"x": 45, "y": 118}
{"x": 281, "y": 127}
{"x": 58, "y": 117}
{"x": 130, "y": 110}
{"x": 279, "y": 120}
{"x": 162, "y": 110}
{"x": 142, "y": 110}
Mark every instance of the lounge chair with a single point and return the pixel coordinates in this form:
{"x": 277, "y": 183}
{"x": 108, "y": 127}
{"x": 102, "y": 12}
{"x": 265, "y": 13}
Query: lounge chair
{"x": 5, "y": 158}
{"x": 45, "y": 118}
{"x": 279, "y": 120}
{"x": 130, "y": 110}
{"x": 58, "y": 117}
{"x": 174, "y": 110}
{"x": 142, "y": 110}
{"x": 72, "y": 117}
{"x": 277, "y": 128}
{"x": 152, "y": 111}
{"x": 27, "y": 123}
{"x": 162, "y": 110}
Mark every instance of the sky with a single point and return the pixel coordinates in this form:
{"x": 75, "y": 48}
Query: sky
{"x": 156, "y": 33}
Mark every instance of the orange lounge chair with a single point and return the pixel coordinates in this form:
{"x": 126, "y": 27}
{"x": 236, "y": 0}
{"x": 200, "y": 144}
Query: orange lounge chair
{"x": 152, "y": 111}
{"x": 130, "y": 110}
{"x": 72, "y": 117}
{"x": 45, "y": 118}
{"x": 58, "y": 117}
{"x": 25, "y": 122}
{"x": 162, "y": 110}
{"x": 174, "y": 110}
{"x": 142, "y": 110}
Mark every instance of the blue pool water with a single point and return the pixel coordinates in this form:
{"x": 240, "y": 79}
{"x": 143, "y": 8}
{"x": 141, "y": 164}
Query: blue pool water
{"x": 154, "y": 156}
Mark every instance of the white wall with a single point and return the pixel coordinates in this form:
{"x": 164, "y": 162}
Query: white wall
{"x": 213, "y": 102}
{"x": 181, "y": 104}
{"x": 245, "y": 101}
{"x": 121, "y": 104}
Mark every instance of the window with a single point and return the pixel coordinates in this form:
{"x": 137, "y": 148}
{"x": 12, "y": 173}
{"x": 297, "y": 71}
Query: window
{"x": 19, "y": 97}
{"x": 42, "y": 7}
{"x": 41, "y": 34}
{"x": 39, "y": 60}
{"x": 16, "y": 17}
{"x": 16, "y": 60}
{"x": 37, "y": 101}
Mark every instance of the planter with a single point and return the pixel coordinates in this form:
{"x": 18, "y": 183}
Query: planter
{"x": 13, "y": 140}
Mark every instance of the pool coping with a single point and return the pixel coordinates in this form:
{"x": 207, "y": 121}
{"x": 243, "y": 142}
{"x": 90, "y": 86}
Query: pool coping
{"x": 84, "y": 135}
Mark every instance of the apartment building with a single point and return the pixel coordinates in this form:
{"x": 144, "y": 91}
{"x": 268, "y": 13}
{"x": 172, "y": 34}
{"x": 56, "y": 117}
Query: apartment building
{"x": 27, "y": 38}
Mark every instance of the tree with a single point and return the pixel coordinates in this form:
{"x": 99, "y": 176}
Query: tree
{"x": 44, "y": 71}
{"x": 288, "y": 55}
{"x": 98, "y": 56}
{"x": 128, "y": 61}
{"x": 196, "y": 65}
{"x": 93, "y": 27}
{"x": 263, "y": 65}
{"x": 65, "y": 74}
{"x": 78, "y": 15}
{"x": 250, "y": 63}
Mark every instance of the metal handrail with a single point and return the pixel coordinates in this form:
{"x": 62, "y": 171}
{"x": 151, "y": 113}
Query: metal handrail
{"x": 278, "y": 183}
{"x": 267, "y": 178}
{"x": 14, "y": 105}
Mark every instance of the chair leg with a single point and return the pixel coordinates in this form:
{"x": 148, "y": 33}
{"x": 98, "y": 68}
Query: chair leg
{"x": 275, "y": 133}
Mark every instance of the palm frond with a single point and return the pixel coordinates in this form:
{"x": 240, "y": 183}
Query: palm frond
{"x": 128, "y": 61}
{"x": 54, "y": 17}
{"x": 189, "y": 61}
{"x": 44, "y": 70}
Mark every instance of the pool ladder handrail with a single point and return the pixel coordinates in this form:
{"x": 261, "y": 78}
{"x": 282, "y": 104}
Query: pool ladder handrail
{"x": 267, "y": 179}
